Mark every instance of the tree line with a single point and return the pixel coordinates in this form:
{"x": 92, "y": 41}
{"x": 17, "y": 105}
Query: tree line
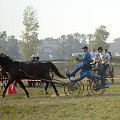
{"x": 29, "y": 42}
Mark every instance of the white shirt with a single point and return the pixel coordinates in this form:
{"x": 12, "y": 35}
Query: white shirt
{"x": 103, "y": 57}
{"x": 93, "y": 55}
{"x": 107, "y": 56}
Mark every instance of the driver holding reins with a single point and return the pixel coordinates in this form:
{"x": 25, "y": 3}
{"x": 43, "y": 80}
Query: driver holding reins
{"x": 84, "y": 61}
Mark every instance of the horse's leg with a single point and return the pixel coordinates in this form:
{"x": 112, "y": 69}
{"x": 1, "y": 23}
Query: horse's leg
{"x": 55, "y": 89}
{"x": 15, "y": 83}
{"x": 46, "y": 87}
{"x": 22, "y": 85}
{"x": 9, "y": 82}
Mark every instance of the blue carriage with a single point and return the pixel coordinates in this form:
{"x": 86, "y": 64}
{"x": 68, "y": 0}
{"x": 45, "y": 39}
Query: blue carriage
{"x": 75, "y": 87}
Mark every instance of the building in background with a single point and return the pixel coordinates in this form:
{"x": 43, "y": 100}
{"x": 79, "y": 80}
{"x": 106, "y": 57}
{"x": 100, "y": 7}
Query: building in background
{"x": 115, "y": 47}
{"x": 47, "y": 48}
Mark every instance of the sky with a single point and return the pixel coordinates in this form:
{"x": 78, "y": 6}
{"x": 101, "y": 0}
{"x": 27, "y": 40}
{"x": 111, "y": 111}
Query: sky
{"x": 62, "y": 17}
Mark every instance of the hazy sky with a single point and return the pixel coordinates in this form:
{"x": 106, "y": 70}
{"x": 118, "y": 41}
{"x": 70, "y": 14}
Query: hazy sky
{"x": 58, "y": 17}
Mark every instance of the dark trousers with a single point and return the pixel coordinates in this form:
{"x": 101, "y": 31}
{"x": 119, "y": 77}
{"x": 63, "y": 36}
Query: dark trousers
{"x": 103, "y": 72}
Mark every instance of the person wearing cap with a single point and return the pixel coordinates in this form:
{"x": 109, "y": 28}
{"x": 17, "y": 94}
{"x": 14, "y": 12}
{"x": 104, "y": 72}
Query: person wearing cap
{"x": 103, "y": 63}
{"x": 35, "y": 59}
{"x": 104, "y": 58}
{"x": 84, "y": 61}
{"x": 100, "y": 55}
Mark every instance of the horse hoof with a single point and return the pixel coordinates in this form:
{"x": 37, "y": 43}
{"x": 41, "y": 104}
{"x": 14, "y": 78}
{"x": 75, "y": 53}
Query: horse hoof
{"x": 2, "y": 96}
{"x": 112, "y": 82}
{"x": 58, "y": 94}
{"x": 28, "y": 96}
{"x": 46, "y": 93}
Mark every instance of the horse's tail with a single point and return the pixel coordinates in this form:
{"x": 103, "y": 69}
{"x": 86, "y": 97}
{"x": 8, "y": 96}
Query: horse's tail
{"x": 55, "y": 70}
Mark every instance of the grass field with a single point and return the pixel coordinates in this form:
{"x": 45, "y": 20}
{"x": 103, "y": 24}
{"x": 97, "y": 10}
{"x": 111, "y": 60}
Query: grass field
{"x": 50, "y": 107}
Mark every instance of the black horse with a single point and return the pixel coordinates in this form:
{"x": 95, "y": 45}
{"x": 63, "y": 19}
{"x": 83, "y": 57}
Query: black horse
{"x": 21, "y": 70}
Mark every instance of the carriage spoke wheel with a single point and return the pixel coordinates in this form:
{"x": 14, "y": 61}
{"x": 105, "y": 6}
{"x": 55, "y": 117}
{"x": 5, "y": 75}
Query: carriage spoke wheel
{"x": 74, "y": 89}
{"x": 95, "y": 87}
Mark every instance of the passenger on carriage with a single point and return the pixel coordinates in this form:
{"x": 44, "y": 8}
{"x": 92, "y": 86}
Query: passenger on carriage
{"x": 109, "y": 58}
{"x": 94, "y": 55}
{"x": 103, "y": 61}
{"x": 103, "y": 58}
{"x": 85, "y": 61}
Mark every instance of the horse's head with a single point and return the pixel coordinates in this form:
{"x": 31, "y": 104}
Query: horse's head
{"x": 5, "y": 60}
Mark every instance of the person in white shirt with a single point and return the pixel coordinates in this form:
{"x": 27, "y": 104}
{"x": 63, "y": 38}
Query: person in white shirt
{"x": 108, "y": 61}
{"x": 107, "y": 57}
{"x": 103, "y": 61}
{"x": 94, "y": 55}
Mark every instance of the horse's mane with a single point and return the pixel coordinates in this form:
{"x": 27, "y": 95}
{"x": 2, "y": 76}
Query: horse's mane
{"x": 7, "y": 57}
{"x": 15, "y": 61}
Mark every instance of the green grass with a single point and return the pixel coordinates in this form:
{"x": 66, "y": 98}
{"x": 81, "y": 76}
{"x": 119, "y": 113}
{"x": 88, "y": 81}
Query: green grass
{"x": 51, "y": 107}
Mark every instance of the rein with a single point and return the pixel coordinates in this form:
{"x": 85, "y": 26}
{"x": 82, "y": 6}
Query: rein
{"x": 44, "y": 80}
{"x": 27, "y": 74}
{"x": 39, "y": 78}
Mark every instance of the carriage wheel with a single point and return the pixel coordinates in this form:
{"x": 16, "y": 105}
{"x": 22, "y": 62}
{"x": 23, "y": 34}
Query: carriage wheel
{"x": 74, "y": 89}
{"x": 95, "y": 87}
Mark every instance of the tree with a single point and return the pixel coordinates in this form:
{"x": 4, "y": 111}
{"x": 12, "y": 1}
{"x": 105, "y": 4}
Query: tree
{"x": 99, "y": 38}
{"x": 3, "y": 42}
{"x": 61, "y": 49}
{"x": 30, "y": 33}
{"x": 80, "y": 41}
{"x": 90, "y": 37}
{"x": 13, "y": 47}
{"x": 71, "y": 43}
